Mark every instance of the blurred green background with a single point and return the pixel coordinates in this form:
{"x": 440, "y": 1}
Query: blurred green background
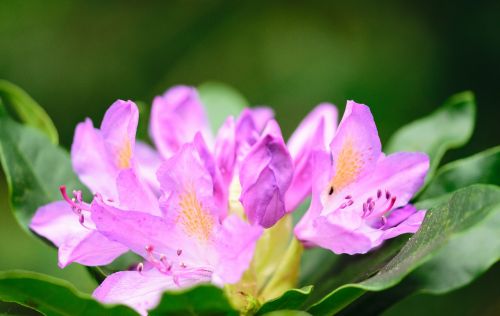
{"x": 76, "y": 57}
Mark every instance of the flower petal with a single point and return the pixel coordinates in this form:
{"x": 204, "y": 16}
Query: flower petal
{"x": 141, "y": 290}
{"x": 118, "y": 129}
{"x": 148, "y": 162}
{"x": 321, "y": 162}
{"x": 355, "y": 147}
{"x": 409, "y": 225}
{"x": 185, "y": 181}
{"x": 135, "y": 195}
{"x": 345, "y": 232}
{"x": 57, "y": 222}
{"x": 307, "y": 134}
{"x": 265, "y": 175}
{"x": 235, "y": 244}
{"x": 89, "y": 249}
{"x": 163, "y": 237}
{"x": 315, "y": 132}
{"x": 176, "y": 117}
{"x": 91, "y": 160}
{"x": 225, "y": 149}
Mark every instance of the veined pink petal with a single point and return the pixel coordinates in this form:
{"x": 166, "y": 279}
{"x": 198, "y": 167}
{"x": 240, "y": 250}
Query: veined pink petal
{"x": 225, "y": 150}
{"x": 142, "y": 290}
{"x": 176, "y": 117}
{"x": 89, "y": 249}
{"x": 321, "y": 162}
{"x": 261, "y": 115}
{"x": 409, "y": 225}
{"x": 307, "y": 131}
{"x": 135, "y": 195}
{"x": 355, "y": 147}
{"x": 187, "y": 185}
{"x": 345, "y": 232}
{"x": 235, "y": 244}
{"x": 91, "y": 160}
{"x": 57, "y": 222}
{"x": 265, "y": 175}
{"x": 118, "y": 130}
{"x": 148, "y": 162}
{"x": 220, "y": 189}
{"x": 315, "y": 132}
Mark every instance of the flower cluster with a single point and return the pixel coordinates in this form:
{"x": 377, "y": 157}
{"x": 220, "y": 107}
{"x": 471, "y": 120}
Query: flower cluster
{"x": 195, "y": 207}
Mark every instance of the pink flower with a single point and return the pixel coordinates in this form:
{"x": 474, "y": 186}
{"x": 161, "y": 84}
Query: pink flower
{"x": 105, "y": 160}
{"x": 360, "y": 195}
{"x": 191, "y": 242}
{"x": 249, "y": 150}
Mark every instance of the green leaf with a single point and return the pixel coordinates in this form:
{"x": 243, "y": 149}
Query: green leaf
{"x": 221, "y": 101}
{"x": 451, "y": 126}
{"x": 52, "y": 296}
{"x": 293, "y": 299}
{"x": 34, "y": 168}
{"x": 200, "y": 300}
{"x": 27, "y": 110}
{"x": 458, "y": 241}
{"x": 483, "y": 167}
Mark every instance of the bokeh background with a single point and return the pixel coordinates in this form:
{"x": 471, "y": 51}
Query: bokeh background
{"x": 76, "y": 57}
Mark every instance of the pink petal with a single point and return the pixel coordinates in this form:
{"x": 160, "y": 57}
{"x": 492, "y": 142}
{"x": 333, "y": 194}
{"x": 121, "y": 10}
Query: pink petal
{"x": 321, "y": 162}
{"x": 265, "y": 175}
{"x": 91, "y": 160}
{"x": 355, "y": 147}
{"x": 148, "y": 162}
{"x": 409, "y": 225}
{"x": 315, "y": 132}
{"x": 89, "y": 249}
{"x": 235, "y": 244}
{"x": 118, "y": 130}
{"x": 141, "y": 290}
{"x": 225, "y": 150}
{"x": 185, "y": 176}
{"x": 135, "y": 230}
{"x": 261, "y": 115}
{"x": 57, "y": 222}
{"x": 220, "y": 193}
{"x": 307, "y": 131}
{"x": 345, "y": 232}
{"x": 135, "y": 195}
{"x": 176, "y": 117}
{"x": 178, "y": 241}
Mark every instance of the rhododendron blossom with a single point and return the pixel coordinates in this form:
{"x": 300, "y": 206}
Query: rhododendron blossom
{"x": 196, "y": 207}
{"x": 359, "y": 194}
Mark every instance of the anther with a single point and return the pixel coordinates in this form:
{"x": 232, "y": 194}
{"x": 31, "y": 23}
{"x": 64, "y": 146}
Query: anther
{"x": 387, "y": 194}
{"x": 140, "y": 267}
{"x": 348, "y": 197}
{"x": 179, "y": 252}
{"x": 349, "y": 203}
{"x": 331, "y": 191}
{"x": 343, "y": 206}
{"x": 379, "y": 193}
{"x": 149, "y": 248}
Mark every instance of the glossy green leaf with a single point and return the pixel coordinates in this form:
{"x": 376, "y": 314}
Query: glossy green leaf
{"x": 483, "y": 167}
{"x": 221, "y": 101}
{"x": 200, "y": 300}
{"x": 287, "y": 313}
{"x": 27, "y": 110}
{"x": 34, "y": 168}
{"x": 290, "y": 300}
{"x": 458, "y": 241}
{"x": 52, "y": 296}
{"x": 451, "y": 126}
